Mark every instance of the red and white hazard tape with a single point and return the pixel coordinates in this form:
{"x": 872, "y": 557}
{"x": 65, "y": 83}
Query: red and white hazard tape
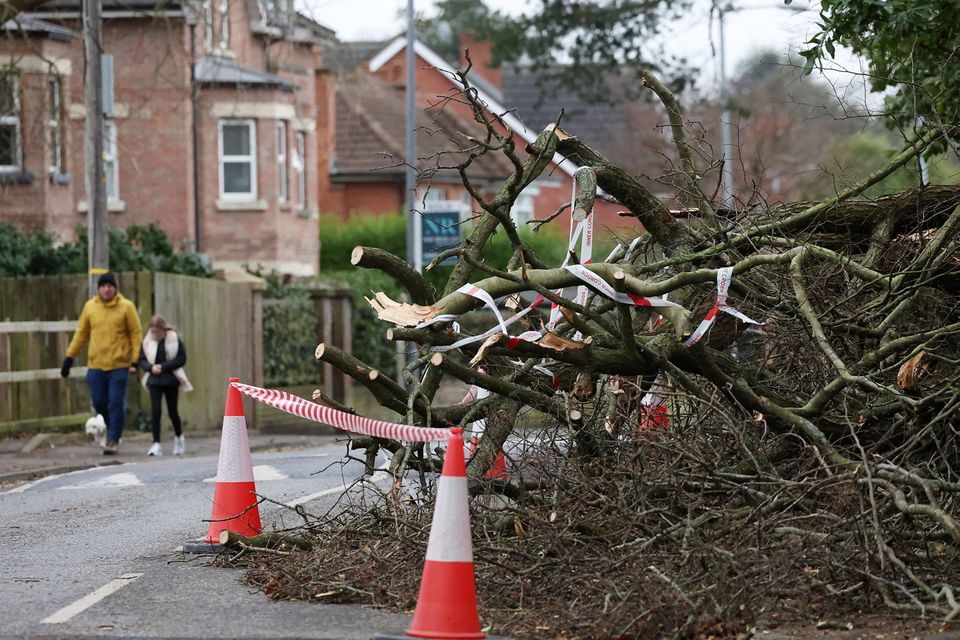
{"x": 496, "y": 328}
{"x": 582, "y": 231}
{"x": 653, "y": 404}
{"x": 653, "y": 407}
{"x": 724, "y": 276}
{"x": 606, "y": 290}
{"x": 628, "y": 248}
{"x": 348, "y": 422}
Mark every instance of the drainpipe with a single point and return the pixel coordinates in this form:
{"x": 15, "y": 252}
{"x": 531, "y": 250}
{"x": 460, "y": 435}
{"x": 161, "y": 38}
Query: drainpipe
{"x": 195, "y": 131}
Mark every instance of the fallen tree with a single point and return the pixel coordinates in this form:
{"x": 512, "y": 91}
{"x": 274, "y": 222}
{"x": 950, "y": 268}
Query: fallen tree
{"x": 677, "y": 476}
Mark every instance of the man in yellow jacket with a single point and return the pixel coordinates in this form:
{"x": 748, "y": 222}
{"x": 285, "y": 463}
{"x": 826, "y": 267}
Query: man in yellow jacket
{"x": 109, "y": 322}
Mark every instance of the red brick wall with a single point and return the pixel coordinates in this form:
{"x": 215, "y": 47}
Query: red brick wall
{"x": 277, "y": 234}
{"x": 39, "y": 203}
{"x": 154, "y": 119}
{"x": 325, "y": 117}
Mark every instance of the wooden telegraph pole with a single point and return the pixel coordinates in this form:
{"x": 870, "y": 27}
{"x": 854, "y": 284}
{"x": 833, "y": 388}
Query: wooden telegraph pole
{"x": 98, "y": 250}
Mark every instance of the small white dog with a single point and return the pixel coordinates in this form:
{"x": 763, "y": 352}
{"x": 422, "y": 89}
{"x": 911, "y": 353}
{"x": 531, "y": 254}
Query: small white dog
{"x": 96, "y": 428}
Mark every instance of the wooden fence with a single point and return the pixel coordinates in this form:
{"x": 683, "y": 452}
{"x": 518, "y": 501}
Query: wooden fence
{"x": 220, "y": 321}
{"x": 222, "y": 327}
{"x": 332, "y": 309}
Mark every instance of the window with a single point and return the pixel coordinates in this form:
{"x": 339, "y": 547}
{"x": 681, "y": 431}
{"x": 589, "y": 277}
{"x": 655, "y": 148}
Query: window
{"x": 111, "y": 169}
{"x": 284, "y": 181}
{"x": 429, "y": 194}
{"x": 10, "y": 156}
{"x": 299, "y": 167}
{"x": 522, "y": 210}
{"x": 274, "y": 11}
{"x": 238, "y": 160}
{"x": 208, "y": 24}
{"x": 53, "y": 123}
{"x": 224, "y": 9}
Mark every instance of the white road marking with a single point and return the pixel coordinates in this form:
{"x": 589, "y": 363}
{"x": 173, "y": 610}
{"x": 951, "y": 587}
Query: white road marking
{"x": 261, "y": 473}
{"x": 314, "y": 496}
{"x": 112, "y": 481}
{"x": 29, "y": 485}
{"x": 91, "y": 599}
{"x": 266, "y": 472}
{"x": 327, "y": 492}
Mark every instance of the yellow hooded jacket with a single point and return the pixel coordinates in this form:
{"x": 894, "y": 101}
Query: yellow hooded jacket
{"x": 113, "y": 330}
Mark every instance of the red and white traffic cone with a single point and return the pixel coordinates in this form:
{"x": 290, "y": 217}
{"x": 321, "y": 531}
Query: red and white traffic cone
{"x": 447, "y": 605}
{"x": 234, "y": 501}
{"x": 499, "y": 468}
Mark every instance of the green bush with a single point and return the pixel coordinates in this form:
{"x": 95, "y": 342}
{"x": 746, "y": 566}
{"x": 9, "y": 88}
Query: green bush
{"x": 389, "y": 232}
{"x": 369, "y": 343}
{"x": 289, "y": 332}
{"x": 136, "y": 248}
{"x": 32, "y": 253}
{"x": 339, "y": 237}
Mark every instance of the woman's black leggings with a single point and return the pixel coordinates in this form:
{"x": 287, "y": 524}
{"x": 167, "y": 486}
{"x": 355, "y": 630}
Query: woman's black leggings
{"x": 171, "y": 394}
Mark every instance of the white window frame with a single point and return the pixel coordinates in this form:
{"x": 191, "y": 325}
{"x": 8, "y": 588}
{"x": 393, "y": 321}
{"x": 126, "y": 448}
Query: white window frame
{"x": 208, "y": 24}
{"x": 251, "y": 158}
{"x": 111, "y": 165}
{"x": 224, "y": 11}
{"x": 522, "y": 213}
{"x": 283, "y": 173}
{"x": 14, "y": 119}
{"x": 300, "y": 167}
{"x": 54, "y": 96}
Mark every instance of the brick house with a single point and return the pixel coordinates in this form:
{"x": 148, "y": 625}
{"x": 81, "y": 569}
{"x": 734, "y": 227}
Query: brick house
{"x": 210, "y": 125}
{"x": 365, "y": 169}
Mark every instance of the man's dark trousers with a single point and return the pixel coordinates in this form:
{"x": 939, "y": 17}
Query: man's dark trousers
{"x": 108, "y": 392}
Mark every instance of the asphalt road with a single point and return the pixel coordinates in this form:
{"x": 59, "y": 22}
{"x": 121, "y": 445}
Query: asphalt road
{"x": 92, "y": 554}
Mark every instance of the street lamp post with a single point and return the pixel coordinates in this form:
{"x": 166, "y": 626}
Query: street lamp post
{"x": 726, "y": 142}
{"x": 414, "y": 248}
{"x": 726, "y": 153}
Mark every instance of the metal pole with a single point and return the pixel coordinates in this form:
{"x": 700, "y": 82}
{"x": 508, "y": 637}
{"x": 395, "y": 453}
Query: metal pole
{"x": 98, "y": 248}
{"x": 924, "y": 168}
{"x": 726, "y": 153}
{"x": 195, "y": 133}
{"x": 414, "y": 248}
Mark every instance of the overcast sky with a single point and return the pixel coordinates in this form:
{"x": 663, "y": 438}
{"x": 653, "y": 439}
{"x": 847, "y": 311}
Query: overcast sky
{"x": 756, "y": 25}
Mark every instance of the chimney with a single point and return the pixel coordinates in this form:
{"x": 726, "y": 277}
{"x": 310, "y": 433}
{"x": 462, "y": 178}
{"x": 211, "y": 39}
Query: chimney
{"x": 481, "y": 54}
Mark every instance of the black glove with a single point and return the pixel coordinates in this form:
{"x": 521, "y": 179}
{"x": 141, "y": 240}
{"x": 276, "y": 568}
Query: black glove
{"x": 65, "y": 368}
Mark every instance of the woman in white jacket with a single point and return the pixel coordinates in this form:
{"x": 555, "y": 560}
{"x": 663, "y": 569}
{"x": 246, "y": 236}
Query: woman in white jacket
{"x": 162, "y": 356}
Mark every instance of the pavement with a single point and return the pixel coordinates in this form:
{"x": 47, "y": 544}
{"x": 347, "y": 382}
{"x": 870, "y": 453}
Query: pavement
{"x": 25, "y": 459}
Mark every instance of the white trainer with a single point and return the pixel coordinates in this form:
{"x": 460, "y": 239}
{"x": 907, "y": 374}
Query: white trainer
{"x": 179, "y": 445}
{"x": 155, "y": 450}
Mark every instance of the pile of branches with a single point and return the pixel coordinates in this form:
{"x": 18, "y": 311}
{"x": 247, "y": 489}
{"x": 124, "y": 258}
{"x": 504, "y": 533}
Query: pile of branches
{"x": 657, "y": 536}
{"x": 808, "y": 464}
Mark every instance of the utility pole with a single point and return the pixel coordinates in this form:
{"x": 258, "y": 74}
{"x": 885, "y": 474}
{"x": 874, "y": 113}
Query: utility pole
{"x": 414, "y": 247}
{"x": 726, "y": 153}
{"x": 98, "y": 249}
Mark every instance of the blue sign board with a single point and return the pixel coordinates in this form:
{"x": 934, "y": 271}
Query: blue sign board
{"x": 440, "y": 231}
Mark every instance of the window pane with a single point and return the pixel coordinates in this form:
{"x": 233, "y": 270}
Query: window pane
{"x": 7, "y": 101}
{"x": 8, "y": 145}
{"x": 54, "y": 98}
{"x": 236, "y": 140}
{"x": 236, "y": 177}
{"x": 110, "y": 170}
{"x": 56, "y": 154}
